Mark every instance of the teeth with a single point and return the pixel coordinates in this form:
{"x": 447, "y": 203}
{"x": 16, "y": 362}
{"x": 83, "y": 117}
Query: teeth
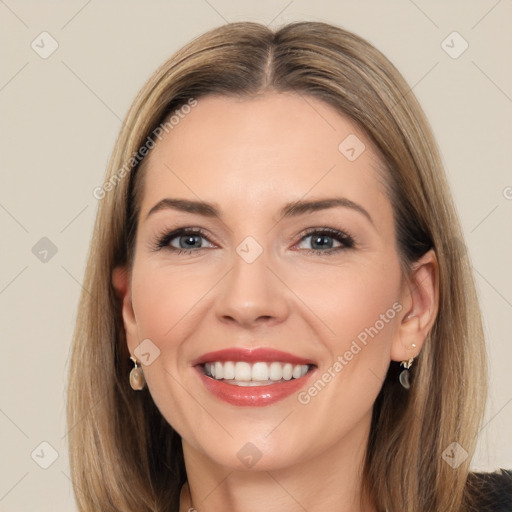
{"x": 256, "y": 373}
{"x": 259, "y": 372}
{"x": 229, "y": 370}
{"x": 242, "y": 371}
{"x": 219, "y": 371}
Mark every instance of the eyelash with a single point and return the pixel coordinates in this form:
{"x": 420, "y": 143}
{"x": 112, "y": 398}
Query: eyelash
{"x": 348, "y": 242}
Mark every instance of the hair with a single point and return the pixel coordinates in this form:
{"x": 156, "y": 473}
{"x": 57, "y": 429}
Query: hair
{"x": 124, "y": 456}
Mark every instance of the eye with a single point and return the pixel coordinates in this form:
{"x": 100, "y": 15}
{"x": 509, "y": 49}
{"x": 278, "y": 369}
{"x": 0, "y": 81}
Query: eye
{"x": 190, "y": 240}
{"x": 322, "y": 240}
{"x": 183, "y": 241}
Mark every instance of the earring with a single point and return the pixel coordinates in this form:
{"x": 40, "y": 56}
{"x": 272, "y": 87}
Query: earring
{"x": 137, "y": 380}
{"x": 404, "y": 374}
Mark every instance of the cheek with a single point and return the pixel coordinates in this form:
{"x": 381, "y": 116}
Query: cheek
{"x": 360, "y": 309}
{"x": 167, "y": 310}
{"x": 366, "y": 312}
{"x": 352, "y": 299}
{"x": 165, "y": 300}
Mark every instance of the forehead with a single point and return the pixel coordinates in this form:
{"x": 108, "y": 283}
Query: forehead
{"x": 246, "y": 153}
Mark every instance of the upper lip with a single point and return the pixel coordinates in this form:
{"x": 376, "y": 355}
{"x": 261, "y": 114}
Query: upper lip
{"x": 251, "y": 355}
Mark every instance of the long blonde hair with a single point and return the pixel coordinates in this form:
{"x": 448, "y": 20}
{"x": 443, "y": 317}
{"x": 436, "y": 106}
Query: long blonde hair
{"x": 124, "y": 456}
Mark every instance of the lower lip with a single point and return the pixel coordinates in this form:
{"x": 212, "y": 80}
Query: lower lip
{"x": 253, "y": 396}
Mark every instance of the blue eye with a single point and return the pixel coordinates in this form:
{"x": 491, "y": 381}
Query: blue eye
{"x": 189, "y": 241}
{"x": 322, "y": 240}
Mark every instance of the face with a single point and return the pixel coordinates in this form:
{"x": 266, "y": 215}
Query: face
{"x": 321, "y": 284}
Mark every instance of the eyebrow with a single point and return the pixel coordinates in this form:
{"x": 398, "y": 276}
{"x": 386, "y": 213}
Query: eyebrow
{"x": 293, "y": 209}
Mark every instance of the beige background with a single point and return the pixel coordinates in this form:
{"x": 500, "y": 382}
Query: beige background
{"x": 60, "y": 119}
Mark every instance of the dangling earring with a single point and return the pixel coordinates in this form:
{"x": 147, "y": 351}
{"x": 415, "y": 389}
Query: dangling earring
{"x": 404, "y": 374}
{"x": 137, "y": 380}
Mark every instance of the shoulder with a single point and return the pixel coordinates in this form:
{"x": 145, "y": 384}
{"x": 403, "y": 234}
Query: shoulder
{"x": 491, "y": 492}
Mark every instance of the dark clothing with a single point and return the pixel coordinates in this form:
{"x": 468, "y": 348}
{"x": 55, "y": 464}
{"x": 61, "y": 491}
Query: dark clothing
{"x": 492, "y": 491}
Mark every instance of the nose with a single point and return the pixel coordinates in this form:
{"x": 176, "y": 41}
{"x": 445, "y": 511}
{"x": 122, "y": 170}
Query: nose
{"x": 252, "y": 294}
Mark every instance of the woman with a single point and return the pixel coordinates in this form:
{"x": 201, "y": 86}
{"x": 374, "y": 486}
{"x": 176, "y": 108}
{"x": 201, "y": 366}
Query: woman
{"x": 279, "y": 311}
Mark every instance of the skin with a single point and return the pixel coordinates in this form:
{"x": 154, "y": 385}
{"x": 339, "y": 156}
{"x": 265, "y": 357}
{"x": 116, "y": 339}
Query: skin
{"x": 251, "y": 156}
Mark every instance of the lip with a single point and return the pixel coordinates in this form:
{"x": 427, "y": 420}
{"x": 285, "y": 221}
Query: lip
{"x": 254, "y": 355}
{"x": 253, "y": 396}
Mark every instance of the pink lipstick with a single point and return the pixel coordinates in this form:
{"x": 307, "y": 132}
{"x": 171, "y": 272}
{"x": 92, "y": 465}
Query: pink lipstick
{"x": 253, "y": 377}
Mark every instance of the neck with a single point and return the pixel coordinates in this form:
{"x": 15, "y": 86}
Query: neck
{"x": 330, "y": 481}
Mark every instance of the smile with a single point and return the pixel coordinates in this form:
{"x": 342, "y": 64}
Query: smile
{"x": 242, "y": 373}
{"x": 253, "y": 377}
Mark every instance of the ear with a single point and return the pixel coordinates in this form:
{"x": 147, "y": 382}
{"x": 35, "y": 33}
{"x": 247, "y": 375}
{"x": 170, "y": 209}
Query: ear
{"x": 420, "y": 301}
{"x": 122, "y": 286}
